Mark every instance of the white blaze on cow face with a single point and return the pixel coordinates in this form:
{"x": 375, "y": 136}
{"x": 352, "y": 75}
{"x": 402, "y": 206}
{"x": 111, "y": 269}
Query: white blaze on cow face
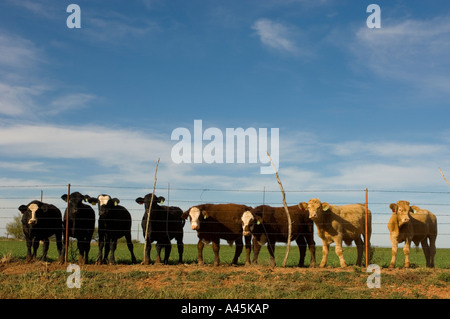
{"x": 194, "y": 216}
{"x": 33, "y": 208}
{"x": 103, "y": 199}
{"x": 247, "y": 221}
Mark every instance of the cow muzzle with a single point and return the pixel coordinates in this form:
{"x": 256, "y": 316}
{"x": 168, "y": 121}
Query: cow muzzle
{"x": 32, "y": 221}
{"x": 404, "y": 221}
{"x": 195, "y": 226}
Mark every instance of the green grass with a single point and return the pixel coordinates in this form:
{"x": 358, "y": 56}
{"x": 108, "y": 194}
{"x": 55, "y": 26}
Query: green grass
{"x": 190, "y": 281}
{"x": 381, "y": 256}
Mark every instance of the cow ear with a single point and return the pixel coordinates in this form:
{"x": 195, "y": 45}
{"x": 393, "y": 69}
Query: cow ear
{"x": 205, "y": 214}
{"x": 44, "y": 207}
{"x": 64, "y": 197}
{"x": 393, "y": 207}
{"x": 116, "y": 201}
{"x": 303, "y": 206}
{"x": 325, "y": 206}
{"x": 185, "y": 214}
{"x": 93, "y": 201}
{"x": 259, "y": 219}
{"x": 140, "y": 200}
{"x": 86, "y": 198}
{"x": 161, "y": 200}
{"x": 414, "y": 209}
{"x": 23, "y": 209}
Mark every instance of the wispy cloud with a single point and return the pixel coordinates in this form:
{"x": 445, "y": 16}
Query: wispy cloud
{"x": 411, "y": 51}
{"x": 277, "y": 36}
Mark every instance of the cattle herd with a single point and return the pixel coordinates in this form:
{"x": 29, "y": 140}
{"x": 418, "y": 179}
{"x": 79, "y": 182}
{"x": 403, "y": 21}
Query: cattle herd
{"x": 237, "y": 224}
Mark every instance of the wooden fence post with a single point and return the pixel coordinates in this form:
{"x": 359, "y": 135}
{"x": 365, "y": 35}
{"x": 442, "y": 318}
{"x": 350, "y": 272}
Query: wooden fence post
{"x": 288, "y": 216}
{"x": 149, "y": 211}
{"x": 66, "y": 244}
{"x": 366, "y": 241}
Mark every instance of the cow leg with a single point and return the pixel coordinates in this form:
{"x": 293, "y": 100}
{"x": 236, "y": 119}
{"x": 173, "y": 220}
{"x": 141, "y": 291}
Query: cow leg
{"x": 29, "y": 244}
{"x": 159, "y": 247}
{"x": 35, "y": 248}
{"x": 216, "y": 249}
{"x": 200, "y": 246}
{"x": 147, "y": 252}
{"x": 360, "y": 248}
{"x": 59, "y": 247}
{"x": 312, "y": 250}
{"x": 325, "y": 249}
{"x": 301, "y": 243}
{"x": 167, "y": 250}
{"x": 248, "y": 249}
{"x": 180, "y": 247}
{"x": 101, "y": 245}
{"x": 394, "y": 242}
{"x": 432, "y": 250}
{"x": 271, "y": 249}
{"x": 238, "y": 250}
{"x": 340, "y": 252}
{"x": 45, "y": 249}
{"x": 130, "y": 248}
{"x": 406, "y": 252}
{"x": 113, "y": 246}
{"x": 426, "y": 250}
{"x": 256, "y": 249}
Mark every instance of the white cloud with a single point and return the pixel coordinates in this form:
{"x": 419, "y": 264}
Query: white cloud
{"x": 411, "y": 51}
{"x": 276, "y": 36}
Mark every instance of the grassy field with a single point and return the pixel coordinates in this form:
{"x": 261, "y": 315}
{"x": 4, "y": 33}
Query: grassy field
{"x": 19, "y": 279}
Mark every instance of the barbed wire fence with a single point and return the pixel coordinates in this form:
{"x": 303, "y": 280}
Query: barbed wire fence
{"x": 12, "y": 196}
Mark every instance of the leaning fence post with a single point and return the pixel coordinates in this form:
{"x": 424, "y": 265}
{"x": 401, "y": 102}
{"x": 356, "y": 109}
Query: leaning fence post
{"x": 288, "y": 216}
{"x": 149, "y": 211}
{"x": 366, "y": 242}
{"x": 66, "y": 244}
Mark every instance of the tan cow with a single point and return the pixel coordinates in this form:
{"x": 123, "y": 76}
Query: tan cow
{"x": 339, "y": 223}
{"x": 412, "y": 224}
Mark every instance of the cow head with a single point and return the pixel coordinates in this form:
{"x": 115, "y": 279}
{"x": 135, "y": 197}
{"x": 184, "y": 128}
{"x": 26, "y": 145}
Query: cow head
{"x": 195, "y": 215}
{"x": 147, "y": 200}
{"x": 402, "y": 211}
{"x": 249, "y": 221}
{"x": 32, "y": 212}
{"x": 76, "y": 201}
{"x": 315, "y": 208}
{"x": 104, "y": 203}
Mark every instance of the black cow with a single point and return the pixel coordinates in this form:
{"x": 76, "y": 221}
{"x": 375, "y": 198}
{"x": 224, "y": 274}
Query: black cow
{"x": 165, "y": 224}
{"x": 81, "y": 224}
{"x": 269, "y": 225}
{"x": 39, "y": 222}
{"x": 219, "y": 221}
{"x": 114, "y": 222}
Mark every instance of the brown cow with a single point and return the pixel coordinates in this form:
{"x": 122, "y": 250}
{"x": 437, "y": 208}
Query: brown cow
{"x": 339, "y": 223}
{"x": 219, "y": 221}
{"x": 269, "y": 225}
{"x": 412, "y": 224}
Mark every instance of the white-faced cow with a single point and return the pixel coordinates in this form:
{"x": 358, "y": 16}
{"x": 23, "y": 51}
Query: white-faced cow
{"x": 165, "y": 224}
{"x": 219, "y": 221}
{"x": 81, "y": 224}
{"x": 339, "y": 223}
{"x": 114, "y": 222}
{"x": 412, "y": 224}
{"x": 39, "y": 222}
{"x": 269, "y": 225}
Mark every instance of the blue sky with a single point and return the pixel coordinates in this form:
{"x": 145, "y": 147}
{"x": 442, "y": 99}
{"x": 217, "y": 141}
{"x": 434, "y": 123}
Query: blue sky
{"x": 355, "y": 107}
